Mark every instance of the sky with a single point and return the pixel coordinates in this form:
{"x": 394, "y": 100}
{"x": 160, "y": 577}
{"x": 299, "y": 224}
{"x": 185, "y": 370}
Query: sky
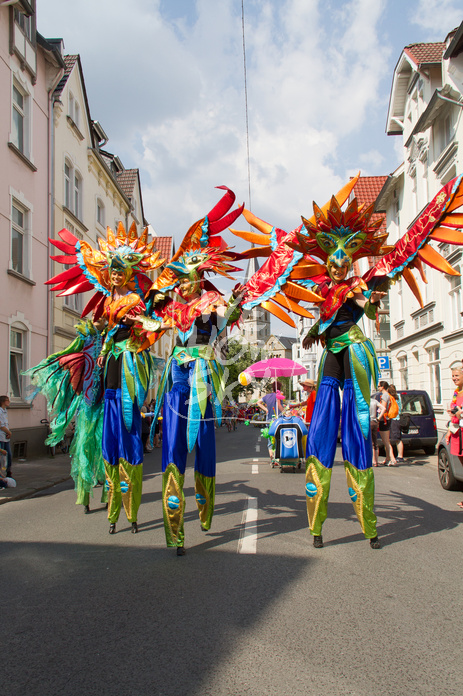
{"x": 165, "y": 78}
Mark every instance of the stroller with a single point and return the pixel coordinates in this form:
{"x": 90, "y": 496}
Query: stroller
{"x": 289, "y": 436}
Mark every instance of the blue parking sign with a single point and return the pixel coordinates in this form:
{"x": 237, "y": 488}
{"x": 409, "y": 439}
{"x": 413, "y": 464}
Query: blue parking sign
{"x": 384, "y": 362}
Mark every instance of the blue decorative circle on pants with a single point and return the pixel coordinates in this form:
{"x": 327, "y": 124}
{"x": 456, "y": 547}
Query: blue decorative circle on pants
{"x": 311, "y": 490}
{"x": 173, "y": 502}
{"x": 124, "y": 486}
{"x": 353, "y": 494}
{"x": 106, "y": 485}
{"x": 200, "y": 499}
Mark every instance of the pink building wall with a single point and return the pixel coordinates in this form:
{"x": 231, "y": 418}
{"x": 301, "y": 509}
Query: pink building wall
{"x": 24, "y": 298}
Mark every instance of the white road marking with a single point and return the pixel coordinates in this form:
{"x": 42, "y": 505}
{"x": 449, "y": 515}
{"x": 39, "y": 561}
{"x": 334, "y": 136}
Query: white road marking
{"x": 255, "y": 469}
{"x": 248, "y": 538}
{"x": 255, "y": 459}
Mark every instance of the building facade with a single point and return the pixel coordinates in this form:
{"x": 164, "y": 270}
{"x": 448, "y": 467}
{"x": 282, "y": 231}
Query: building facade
{"x": 30, "y": 68}
{"x": 425, "y": 111}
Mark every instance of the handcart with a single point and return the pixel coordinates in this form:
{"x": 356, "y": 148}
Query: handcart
{"x": 289, "y": 436}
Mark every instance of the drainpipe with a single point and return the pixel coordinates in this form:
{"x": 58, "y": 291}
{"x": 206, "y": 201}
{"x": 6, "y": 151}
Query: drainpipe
{"x": 51, "y": 203}
{"x": 447, "y": 99}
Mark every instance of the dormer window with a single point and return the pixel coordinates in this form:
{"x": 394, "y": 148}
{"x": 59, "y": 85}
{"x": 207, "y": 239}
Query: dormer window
{"x": 74, "y": 109}
{"x": 24, "y": 22}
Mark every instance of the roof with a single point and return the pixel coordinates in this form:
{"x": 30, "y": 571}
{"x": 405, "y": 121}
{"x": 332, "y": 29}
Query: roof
{"x": 164, "y": 246}
{"x": 425, "y": 53}
{"x": 126, "y": 180}
{"x": 285, "y": 341}
{"x": 69, "y": 62}
{"x": 455, "y": 46}
{"x": 367, "y": 190}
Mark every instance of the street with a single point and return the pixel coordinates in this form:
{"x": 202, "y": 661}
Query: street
{"x": 252, "y": 608}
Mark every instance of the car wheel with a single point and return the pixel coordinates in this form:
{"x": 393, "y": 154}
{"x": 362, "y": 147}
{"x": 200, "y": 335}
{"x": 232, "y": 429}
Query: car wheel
{"x": 431, "y": 449}
{"x": 446, "y": 477}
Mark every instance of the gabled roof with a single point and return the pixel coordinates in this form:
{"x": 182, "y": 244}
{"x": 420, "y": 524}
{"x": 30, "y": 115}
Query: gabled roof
{"x": 164, "y": 246}
{"x": 425, "y": 53}
{"x": 456, "y": 44}
{"x": 69, "y": 62}
{"x": 411, "y": 60}
{"x": 367, "y": 190}
{"x": 126, "y": 180}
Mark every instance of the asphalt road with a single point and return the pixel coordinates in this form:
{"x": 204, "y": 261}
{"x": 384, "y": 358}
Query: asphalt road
{"x": 252, "y": 608}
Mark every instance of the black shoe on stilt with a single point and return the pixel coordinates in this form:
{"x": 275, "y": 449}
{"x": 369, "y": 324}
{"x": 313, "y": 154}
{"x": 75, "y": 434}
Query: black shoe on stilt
{"x": 86, "y": 509}
{"x": 181, "y": 551}
{"x": 318, "y": 542}
{"x": 375, "y": 543}
{"x": 134, "y": 528}
{"x": 112, "y": 528}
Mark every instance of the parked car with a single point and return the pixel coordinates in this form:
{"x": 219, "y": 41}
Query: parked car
{"x": 418, "y": 422}
{"x": 449, "y": 468}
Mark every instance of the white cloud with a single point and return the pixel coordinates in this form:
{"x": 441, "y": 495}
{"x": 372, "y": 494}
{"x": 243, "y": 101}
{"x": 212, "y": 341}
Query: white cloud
{"x": 170, "y": 94}
{"x": 438, "y": 17}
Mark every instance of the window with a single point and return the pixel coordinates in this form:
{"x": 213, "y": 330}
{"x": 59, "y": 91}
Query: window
{"x": 434, "y": 373}
{"x": 19, "y": 118}
{"x": 455, "y": 300}
{"x": 100, "y": 212}
{"x": 24, "y": 22}
{"x": 74, "y": 109}
{"x": 72, "y": 189}
{"x": 73, "y": 302}
{"x": 18, "y": 238}
{"x": 17, "y": 361}
{"x": 77, "y": 195}
{"x": 403, "y": 371}
{"x": 67, "y": 186}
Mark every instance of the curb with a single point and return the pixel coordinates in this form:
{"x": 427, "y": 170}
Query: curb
{"x": 32, "y": 491}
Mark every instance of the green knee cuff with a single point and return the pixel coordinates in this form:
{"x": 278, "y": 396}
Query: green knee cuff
{"x": 317, "y": 489}
{"x": 361, "y": 487}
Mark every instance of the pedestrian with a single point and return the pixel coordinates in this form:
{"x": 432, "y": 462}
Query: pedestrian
{"x": 395, "y": 434}
{"x": 309, "y": 387}
{"x": 377, "y": 410}
{"x": 385, "y": 425}
{"x": 455, "y": 411}
{"x": 272, "y": 405}
{"x": 5, "y": 432}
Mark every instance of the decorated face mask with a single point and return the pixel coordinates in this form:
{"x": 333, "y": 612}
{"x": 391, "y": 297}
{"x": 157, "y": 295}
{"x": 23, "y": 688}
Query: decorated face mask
{"x": 340, "y": 238}
{"x": 187, "y": 270}
{"x": 125, "y": 260}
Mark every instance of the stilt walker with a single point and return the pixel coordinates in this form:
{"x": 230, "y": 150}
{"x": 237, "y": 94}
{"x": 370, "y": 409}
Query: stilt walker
{"x": 117, "y": 272}
{"x": 192, "y": 385}
{"x": 318, "y": 256}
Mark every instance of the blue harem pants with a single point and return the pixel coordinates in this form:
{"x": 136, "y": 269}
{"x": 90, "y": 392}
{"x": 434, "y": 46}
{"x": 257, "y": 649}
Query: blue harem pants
{"x": 174, "y": 456}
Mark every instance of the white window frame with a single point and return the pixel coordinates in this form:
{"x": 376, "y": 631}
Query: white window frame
{"x": 455, "y": 300}
{"x": 20, "y": 324}
{"x": 100, "y": 212}
{"x": 72, "y": 302}
{"x": 68, "y": 184}
{"x": 77, "y": 194}
{"x": 403, "y": 370}
{"x": 21, "y": 204}
{"x": 24, "y": 111}
{"x": 73, "y": 190}
{"x": 434, "y": 372}
{"x": 74, "y": 109}
{"x": 24, "y": 22}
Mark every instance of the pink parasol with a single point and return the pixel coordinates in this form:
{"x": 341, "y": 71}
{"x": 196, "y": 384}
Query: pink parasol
{"x": 271, "y": 368}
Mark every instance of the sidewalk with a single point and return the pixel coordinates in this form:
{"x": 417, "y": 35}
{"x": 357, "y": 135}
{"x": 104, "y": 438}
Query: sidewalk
{"x": 34, "y": 475}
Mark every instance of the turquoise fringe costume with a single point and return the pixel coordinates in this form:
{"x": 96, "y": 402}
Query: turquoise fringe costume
{"x": 71, "y": 382}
